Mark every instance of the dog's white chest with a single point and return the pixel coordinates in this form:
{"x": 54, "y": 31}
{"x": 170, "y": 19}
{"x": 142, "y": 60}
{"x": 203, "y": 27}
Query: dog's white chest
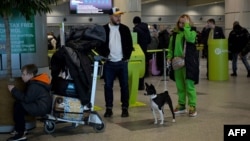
{"x": 153, "y": 104}
{"x": 153, "y": 96}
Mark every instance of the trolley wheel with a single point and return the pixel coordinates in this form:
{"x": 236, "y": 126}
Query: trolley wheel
{"x": 99, "y": 127}
{"x": 49, "y": 126}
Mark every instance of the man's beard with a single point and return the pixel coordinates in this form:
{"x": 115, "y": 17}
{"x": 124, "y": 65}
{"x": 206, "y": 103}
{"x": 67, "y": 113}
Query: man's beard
{"x": 115, "y": 23}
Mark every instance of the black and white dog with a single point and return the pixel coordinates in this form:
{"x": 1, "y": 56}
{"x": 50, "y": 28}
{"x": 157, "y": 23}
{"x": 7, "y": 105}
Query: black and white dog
{"x": 158, "y": 101}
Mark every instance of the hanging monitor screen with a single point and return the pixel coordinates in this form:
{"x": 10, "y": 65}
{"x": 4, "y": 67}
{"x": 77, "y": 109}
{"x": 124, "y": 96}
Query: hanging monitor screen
{"x": 90, "y": 6}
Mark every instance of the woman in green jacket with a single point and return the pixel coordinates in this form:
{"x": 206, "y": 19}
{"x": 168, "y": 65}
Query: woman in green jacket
{"x": 182, "y": 43}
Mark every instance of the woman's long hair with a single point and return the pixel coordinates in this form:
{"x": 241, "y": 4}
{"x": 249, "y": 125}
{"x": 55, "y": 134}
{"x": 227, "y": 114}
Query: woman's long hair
{"x": 183, "y": 16}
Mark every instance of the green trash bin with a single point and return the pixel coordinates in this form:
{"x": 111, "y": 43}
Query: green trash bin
{"x": 218, "y": 59}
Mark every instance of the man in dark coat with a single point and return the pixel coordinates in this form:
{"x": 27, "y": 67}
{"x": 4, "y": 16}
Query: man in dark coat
{"x": 143, "y": 39}
{"x": 213, "y": 32}
{"x": 163, "y": 38}
{"x": 238, "y": 39}
{"x": 204, "y": 34}
{"x": 35, "y": 100}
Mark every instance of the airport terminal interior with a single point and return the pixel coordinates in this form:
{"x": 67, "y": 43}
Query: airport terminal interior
{"x": 219, "y": 103}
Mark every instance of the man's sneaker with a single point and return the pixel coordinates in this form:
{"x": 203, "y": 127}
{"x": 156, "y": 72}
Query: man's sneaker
{"x": 108, "y": 112}
{"x": 14, "y": 132}
{"x": 17, "y": 137}
{"x": 180, "y": 109}
{"x": 192, "y": 111}
{"x": 124, "y": 112}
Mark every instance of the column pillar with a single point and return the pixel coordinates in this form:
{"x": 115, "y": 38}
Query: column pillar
{"x": 132, "y": 8}
{"x": 237, "y": 10}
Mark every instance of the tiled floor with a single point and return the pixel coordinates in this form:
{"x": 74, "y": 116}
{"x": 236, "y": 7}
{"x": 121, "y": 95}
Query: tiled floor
{"x": 219, "y": 103}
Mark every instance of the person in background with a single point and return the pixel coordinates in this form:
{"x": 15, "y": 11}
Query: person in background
{"x": 152, "y": 69}
{"x": 237, "y": 40}
{"x": 154, "y": 37}
{"x": 34, "y": 101}
{"x": 154, "y": 31}
{"x": 143, "y": 39}
{"x": 204, "y": 33}
{"x": 182, "y": 42}
{"x": 213, "y": 32}
{"x": 163, "y": 38}
{"x": 52, "y": 43}
{"x": 117, "y": 48}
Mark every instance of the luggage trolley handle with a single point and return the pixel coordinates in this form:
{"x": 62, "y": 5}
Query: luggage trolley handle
{"x": 97, "y": 58}
{"x": 100, "y": 58}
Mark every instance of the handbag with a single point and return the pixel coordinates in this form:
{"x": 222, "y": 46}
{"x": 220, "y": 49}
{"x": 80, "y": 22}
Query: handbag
{"x": 178, "y": 62}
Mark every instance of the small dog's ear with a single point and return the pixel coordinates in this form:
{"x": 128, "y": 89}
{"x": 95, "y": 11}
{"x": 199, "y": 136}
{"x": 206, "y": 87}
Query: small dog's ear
{"x": 146, "y": 84}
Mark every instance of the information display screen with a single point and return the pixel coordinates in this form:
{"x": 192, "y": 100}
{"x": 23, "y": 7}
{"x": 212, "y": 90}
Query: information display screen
{"x": 90, "y": 6}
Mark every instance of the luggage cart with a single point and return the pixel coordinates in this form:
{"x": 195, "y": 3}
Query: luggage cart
{"x": 87, "y": 117}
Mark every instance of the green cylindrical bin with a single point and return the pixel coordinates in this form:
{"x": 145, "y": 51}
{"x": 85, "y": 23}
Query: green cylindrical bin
{"x": 218, "y": 59}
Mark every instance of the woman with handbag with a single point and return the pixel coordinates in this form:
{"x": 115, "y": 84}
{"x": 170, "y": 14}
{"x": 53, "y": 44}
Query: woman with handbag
{"x": 183, "y": 51}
